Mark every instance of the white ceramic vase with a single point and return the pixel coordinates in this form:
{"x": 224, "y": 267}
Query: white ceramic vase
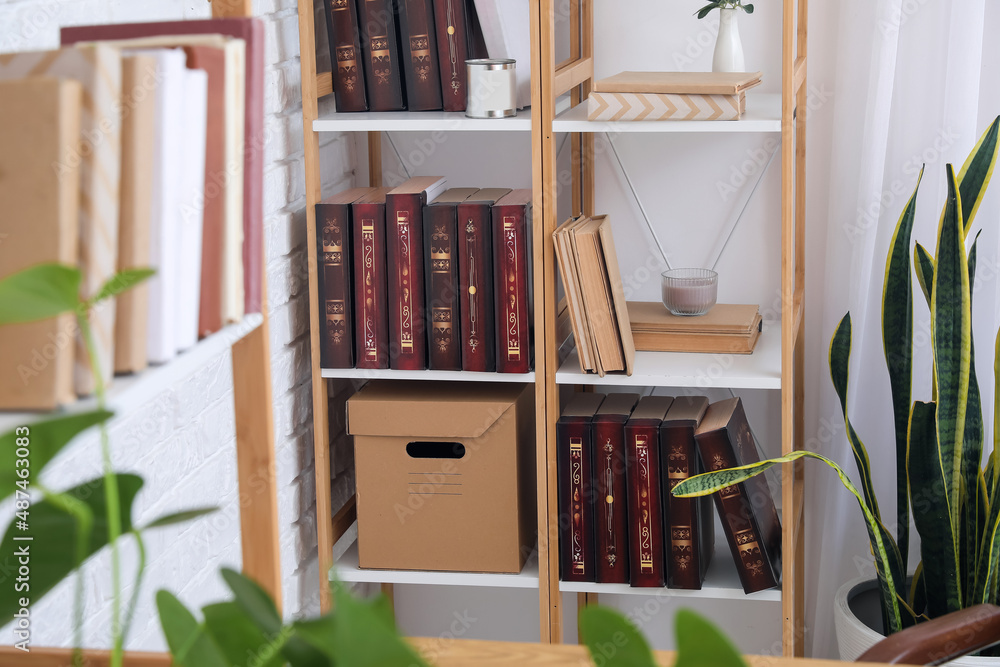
{"x": 728, "y": 55}
{"x": 859, "y": 597}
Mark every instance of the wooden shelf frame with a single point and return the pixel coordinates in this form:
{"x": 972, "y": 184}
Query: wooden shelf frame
{"x": 550, "y": 81}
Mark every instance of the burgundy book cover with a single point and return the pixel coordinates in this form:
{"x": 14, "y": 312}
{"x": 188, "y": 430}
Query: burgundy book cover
{"x": 371, "y": 322}
{"x": 647, "y": 565}
{"x": 380, "y": 49}
{"x": 345, "y": 55}
{"x": 336, "y": 285}
{"x": 512, "y": 281}
{"x": 421, "y": 72}
{"x": 749, "y": 517}
{"x": 444, "y": 345}
{"x": 404, "y": 210}
{"x": 475, "y": 280}
{"x": 576, "y": 491}
{"x": 453, "y": 48}
{"x": 250, "y": 30}
{"x": 611, "y": 525}
{"x": 689, "y": 526}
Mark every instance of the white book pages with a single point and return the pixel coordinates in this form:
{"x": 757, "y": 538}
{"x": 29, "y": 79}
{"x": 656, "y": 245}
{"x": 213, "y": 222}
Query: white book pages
{"x": 232, "y": 274}
{"x": 506, "y": 28}
{"x": 192, "y": 208}
{"x": 171, "y": 72}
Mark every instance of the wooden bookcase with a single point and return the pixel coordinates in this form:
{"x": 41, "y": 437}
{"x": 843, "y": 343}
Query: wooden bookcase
{"x": 776, "y": 366}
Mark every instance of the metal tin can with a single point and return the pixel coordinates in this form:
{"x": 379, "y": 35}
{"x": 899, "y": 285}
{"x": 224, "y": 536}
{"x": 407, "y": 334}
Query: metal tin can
{"x": 492, "y": 88}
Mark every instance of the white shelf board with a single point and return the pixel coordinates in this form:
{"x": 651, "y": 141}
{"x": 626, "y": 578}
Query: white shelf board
{"x": 347, "y": 569}
{"x": 420, "y": 121}
{"x": 760, "y": 370}
{"x": 129, "y": 392}
{"x": 447, "y": 376}
{"x": 722, "y": 582}
{"x": 763, "y": 114}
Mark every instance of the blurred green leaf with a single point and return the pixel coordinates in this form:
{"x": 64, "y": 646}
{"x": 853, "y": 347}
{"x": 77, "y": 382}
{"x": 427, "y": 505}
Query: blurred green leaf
{"x": 254, "y": 600}
{"x": 700, "y": 643}
{"x": 38, "y": 293}
{"x": 239, "y": 639}
{"x": 54, "y": 532}
{"x": 122, "y": 282}
{"x": 748, "y": 9}
{"x": 189, "y": 643}
{"x": 703, "y": 12}
{"x": 180, "y": 517}
{"x": 613, "y": 641}
{"x": 45, "y": 439}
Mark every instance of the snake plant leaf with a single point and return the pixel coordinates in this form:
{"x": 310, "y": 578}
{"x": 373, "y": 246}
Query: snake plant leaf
{"x": 918, "y": 597}
{"x": 897, "y": 346}
{"x": 935, "y": 521}
{"x": 840, "y": 353}
{"x": 989, "y": 560}
{"x": 45, "y": 439}
{"x": 995, "y": 457}
{"x": 612, "y": 640}
{"x": 700, "y": 643}
{"x": 925, "y": 271}
{"x": 951, "y": 333}
{"x": 190, "y": 645}
{"x": 39, "y": 292}
{"x": 891, "y": 588}
{"x": 977, "y": 171}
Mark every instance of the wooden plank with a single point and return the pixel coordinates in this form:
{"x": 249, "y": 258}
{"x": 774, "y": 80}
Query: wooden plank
{"x": 223, "y": 9}
{"x": 259, "y": 531}
{"x": 324, "y": 84}
{"x": 313, "y": 185}
{"x": 63, "y": 657}
{"x": 472, "y": 653}
{"x": 571, "y": 75}
{"x": 345, "y": 518}
{"x": 799, "y": 76}
{"x": 375, "y": 159}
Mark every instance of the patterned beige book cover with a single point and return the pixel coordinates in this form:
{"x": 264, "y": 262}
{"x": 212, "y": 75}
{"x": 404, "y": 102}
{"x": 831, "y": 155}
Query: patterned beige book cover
{"x": 664, "y": 106}
{"x": 98, "y": 68}
{"x": 39, "y": 127}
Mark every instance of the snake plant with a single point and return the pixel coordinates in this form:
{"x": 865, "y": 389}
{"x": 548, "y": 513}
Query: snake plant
{"x": 938, "y": 445}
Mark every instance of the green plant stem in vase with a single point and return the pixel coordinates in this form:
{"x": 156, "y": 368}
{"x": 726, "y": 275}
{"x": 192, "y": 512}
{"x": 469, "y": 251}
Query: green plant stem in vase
{"x": 728, "y": 54}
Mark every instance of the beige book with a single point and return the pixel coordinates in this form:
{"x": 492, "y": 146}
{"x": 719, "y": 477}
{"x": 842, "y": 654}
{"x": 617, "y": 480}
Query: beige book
{"x": 723, "y": 318}
{"x": 574, "y": 300}
{"x": 685, "y": 83}
{"x": 39, "y": 127}
{"x": 618, "y": 303}
{"x": 99, "y": 70}
{"x": 138, "y": 128}
{"x": 596, "y": 296}
{"x": 664, "y": 106}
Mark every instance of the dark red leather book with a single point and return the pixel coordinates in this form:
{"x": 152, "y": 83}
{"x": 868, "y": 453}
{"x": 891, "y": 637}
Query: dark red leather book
{"x": 512, "y": 280}
{"x": 421, "y": 71}
{"x": 250, "y": 30}
{"x": 576, "y": 491}
{"x": 611, "y": 491}
{"x": 345, "y": 55}
{"x": 475, "y": 280}
{"x": 371, "y": 322}
{"x": 453, "y": 48}
{"x": 336, "y": 284}
{"x": 404, "y": 251}
{"x": 749, "y": 517}
{"x": 444, "y": 344}
{"x": 380, "y": 49}
{"x": 647, "y": 566}
{"x": 688, "y": 524}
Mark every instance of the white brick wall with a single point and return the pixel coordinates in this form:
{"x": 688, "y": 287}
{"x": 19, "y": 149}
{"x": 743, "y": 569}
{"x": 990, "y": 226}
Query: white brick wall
{"x": 183, "y": 440}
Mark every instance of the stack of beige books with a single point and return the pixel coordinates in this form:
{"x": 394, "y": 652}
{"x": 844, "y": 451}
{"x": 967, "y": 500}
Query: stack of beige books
{"x": 726, "y": 328}
{"x": 671, "y": 96}
{"x": 585, "y": 251}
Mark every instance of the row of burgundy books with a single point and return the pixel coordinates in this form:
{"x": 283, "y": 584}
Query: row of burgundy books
{"x": 420, "y": 277}
{"x": 391, "y": 55}
{"x": 619, "y": 457}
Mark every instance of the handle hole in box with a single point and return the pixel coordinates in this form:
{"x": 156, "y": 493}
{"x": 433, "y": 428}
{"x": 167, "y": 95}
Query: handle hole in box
{"x": 435, "y": 450}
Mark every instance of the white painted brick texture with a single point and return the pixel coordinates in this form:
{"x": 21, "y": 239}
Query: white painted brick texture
{"x": 183, "y": 441}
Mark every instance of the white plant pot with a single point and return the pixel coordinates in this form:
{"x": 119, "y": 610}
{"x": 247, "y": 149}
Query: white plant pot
{"x": 728, "y": 55}
{"x": 856, "y": 610}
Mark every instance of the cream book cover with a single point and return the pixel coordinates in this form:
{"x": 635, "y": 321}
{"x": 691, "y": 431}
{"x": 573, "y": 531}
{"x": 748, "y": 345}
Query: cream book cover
{"x": 39, "y": 127}
{"x": 98, "y": 68}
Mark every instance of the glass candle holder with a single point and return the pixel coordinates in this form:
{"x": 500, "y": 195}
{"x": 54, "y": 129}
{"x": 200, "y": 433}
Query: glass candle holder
{"x": 689, "y": 291}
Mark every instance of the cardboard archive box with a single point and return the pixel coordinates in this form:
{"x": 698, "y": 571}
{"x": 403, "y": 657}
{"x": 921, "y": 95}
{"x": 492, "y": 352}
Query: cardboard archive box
{"x": 445, "y": 475}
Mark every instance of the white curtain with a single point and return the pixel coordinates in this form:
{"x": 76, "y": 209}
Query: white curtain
{"x": 893, "y": 84}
